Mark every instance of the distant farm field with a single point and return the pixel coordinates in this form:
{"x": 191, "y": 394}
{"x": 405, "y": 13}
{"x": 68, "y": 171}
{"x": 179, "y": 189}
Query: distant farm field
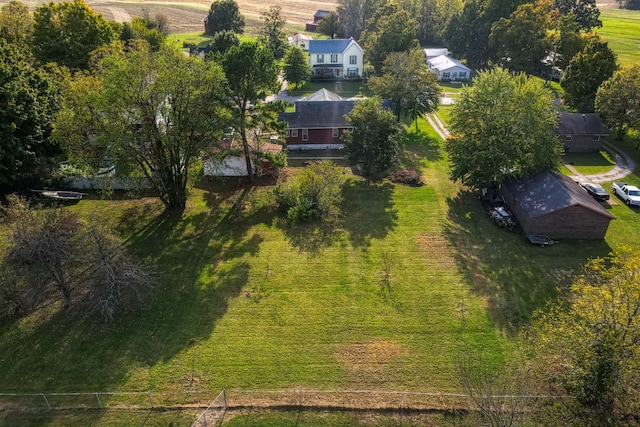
{"x": 186, "y": 16}
{"x": 621, "y": 29}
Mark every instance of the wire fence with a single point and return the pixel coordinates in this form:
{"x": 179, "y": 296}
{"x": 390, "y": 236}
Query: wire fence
{"x": 105, "y": 400}
{"x": 215, "y": 410}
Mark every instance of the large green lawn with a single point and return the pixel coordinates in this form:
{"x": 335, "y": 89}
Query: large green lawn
{"x": 621, "y": 29}
{"x": 247, "y": 301}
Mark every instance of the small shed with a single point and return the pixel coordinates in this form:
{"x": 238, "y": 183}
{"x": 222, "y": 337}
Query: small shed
{"x": 554, "y": 205}
{"x": 317, "y": 17}
{"x": 582, "y": 133}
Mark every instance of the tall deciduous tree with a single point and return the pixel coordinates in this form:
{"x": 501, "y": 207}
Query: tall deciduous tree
{"x": 521, "y": 41}
{"x": 252, "y": 74}
{"x": 408, "y": 83}
{"x": 354, "y": 14}
{"x": 391, "y": 33}
{"x": 585, "y": 11}
{"x": 590, "y": 343}
{"x": 222, "y": 42}
{"x": 16, "y": 23}
{"x": 28, "y": 103}
{"x": 272, "y": 33}
{"x": 373, "y": 141}
{"x": 66, "y": 33}
{"x": 586, "y": 72}
{"x": 225, "y": 15}
{"x": 329, "y": 25}
{"x": 156, "y": 111}
{"x": 618, "y": 99}
{"x": 502, "y": 127}
{"x": 296, "y": 68}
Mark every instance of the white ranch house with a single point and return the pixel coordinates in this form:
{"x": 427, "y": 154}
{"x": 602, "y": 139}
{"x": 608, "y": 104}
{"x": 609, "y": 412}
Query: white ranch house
{"x": 448, "y": 68}
{"x": 338, "y": 58}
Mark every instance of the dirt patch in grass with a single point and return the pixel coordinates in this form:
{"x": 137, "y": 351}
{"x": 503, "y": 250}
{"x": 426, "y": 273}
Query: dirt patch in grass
{"x": 369, "y": 360}
{"x": 436, "y": 249}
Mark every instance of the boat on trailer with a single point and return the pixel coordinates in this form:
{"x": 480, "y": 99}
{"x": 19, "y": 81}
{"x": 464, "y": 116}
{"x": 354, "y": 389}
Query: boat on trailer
{"x": 67, "y": 196}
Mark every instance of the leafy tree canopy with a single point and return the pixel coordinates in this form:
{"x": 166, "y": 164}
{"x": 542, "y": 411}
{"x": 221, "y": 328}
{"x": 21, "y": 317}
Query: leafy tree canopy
{"x": 502, "y": 127}
{"x": 373, "y": 141}
{"x": 155, "y": 111}
{"x": 225, "y": 15}
{"x": 586, "y": 72}
{"x": 618, "y": 99}
{"x": 16, "y": 23}
{"x": 585, "y": 11}
{"x": 29, "y": 100}
{"x": 329, "y": 25}
{"x": 590, "y": 343}
{"x": 521, "y": 41}
{"x": 67, "y": 33}
{"x": 252, "y": 74}
{"x": 391, "y": 33}
{"x": 408, "y": 83}
{"x": 354, "y": 15}
{"x": 272, "y": 33}
{"x": 296, "y": 66}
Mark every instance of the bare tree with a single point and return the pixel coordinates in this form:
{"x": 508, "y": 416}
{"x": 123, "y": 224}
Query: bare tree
{"x": 502, "y": 396}
{"x": 44, "y": 243}
{"x": 117, "y": 280}
{"x": 55, "y": 247}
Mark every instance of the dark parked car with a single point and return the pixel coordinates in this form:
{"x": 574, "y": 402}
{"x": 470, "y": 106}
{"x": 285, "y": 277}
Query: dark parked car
{"x": 595, "y": 190}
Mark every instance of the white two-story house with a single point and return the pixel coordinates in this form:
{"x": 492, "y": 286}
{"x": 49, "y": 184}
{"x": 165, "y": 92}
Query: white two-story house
{"x": 336, "y": 59}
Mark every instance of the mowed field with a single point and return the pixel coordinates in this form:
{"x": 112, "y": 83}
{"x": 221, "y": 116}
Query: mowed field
{"x": 621, "y": 29}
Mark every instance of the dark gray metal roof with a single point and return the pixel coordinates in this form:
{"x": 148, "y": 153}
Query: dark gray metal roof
{"x": 580, "y": 124}
{"x": 319, "y": 114}
{"x": 549, "y": 192}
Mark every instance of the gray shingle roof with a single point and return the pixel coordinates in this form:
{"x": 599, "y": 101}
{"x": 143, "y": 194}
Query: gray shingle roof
{"x": 580, "y": 124}
{"x": 319, "y": 114}
{"x": 549, "y": 192}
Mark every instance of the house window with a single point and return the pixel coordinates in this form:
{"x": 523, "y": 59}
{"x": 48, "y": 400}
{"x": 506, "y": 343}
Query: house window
{"x": 463, "y": 74}
{"x": 446, "y": 75}
{"x": 352, "y": 72}
{"x": 353, "y": 59}
{"x": 567, "y": 137}
{"x": 334, "y": 58}
{"x": 305, "y": 134}
{"x": 294, "y": 133}
{"x": 334, "y": 132}
{"x": 320, "y": 59}
{"x": 302, "y": 45}
{"x": 596, "y": 137}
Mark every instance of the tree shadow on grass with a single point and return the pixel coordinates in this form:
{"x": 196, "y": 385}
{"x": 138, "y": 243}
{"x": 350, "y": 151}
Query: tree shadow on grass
{"x": 420, "y": 148}
{"x": 368, "y": 211}
{"x": 201, "y": 264}
{"x": 513, "y": 276}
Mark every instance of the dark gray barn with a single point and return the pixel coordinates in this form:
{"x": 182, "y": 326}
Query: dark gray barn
{"x": 554, "y": 205}
{"x": 580, "y": 132}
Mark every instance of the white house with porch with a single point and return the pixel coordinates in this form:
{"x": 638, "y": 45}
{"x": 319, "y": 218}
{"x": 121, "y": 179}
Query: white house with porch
{"x": 448, "y": 68}
{"x": 336, "y": 58}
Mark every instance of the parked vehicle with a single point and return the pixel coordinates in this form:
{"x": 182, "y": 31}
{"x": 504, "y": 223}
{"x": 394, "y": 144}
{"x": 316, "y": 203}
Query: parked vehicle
{"x": 595, "y": 190}
{"x": 64, "y": 196}
{"x": 502, "y": 217}
{"x": 539, "y": 239}
{"x": 629, "y": 193}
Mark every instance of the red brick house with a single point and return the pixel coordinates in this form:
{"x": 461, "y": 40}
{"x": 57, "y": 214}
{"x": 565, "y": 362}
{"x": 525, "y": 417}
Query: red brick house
{"x": 318, "y": 121}
{"x": 581, "y": 133}
{"x": 554, "y": 205}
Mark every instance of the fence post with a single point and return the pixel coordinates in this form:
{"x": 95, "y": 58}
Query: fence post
{"x": 224, "y": 396}
{"x": 150, "y": 400}
{"x": 299, "y": 397}
{"x": 98, "y": 399}
{"x": 46, "y": 401}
